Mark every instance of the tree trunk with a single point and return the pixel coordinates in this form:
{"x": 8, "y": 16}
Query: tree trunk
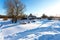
{"x": 15, "y": 20}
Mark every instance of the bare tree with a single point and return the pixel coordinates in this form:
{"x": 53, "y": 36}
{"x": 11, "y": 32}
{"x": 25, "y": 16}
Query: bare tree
{"x": 14, "y": 8}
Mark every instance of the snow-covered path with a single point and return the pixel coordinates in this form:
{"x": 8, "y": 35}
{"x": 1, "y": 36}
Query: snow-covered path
{"x": 19, "y": 28}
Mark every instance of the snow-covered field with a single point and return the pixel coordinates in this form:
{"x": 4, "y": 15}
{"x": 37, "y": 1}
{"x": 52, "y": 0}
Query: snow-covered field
{"x": 33, "y": 30}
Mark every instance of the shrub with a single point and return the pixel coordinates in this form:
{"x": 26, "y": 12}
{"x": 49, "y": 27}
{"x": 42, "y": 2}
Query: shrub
{"x": 5, "y": 18}
{"x": 50, "y": 18}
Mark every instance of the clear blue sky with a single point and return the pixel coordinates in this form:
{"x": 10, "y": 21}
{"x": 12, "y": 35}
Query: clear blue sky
{"x": 37, "y": 7}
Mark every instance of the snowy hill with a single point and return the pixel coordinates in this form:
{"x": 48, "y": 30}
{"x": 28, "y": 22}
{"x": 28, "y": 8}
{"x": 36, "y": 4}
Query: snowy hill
{"x": 32, "y": 30}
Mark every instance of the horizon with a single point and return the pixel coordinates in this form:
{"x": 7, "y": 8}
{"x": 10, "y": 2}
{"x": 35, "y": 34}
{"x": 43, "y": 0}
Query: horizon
{"x": 37, "y": 7}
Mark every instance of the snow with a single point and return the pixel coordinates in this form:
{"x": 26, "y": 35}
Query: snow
{"x": 1, "y": 20}
{"x": 1, "y": 36}
{"x": 49, "y": 32}
{"x": 14, "y": 30}
{"x": 19, "y": 28}
{"x": 47, "y": 24}
{"x": 34, "y": 36}
{"x": 29, "y": 37}
{"x": 56, "y": 26}
{"x": 30, "y": 26}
